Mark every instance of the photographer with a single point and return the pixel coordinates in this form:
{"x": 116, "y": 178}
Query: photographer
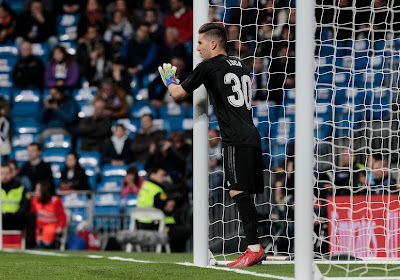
{"x": 58, "y": 114}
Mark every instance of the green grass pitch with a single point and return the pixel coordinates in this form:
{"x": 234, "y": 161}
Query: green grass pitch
{"x": 77, "y": 265}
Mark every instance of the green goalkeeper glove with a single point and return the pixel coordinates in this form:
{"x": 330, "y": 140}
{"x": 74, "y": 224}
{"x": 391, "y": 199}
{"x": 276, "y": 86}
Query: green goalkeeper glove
{"x": 167, "y": 73}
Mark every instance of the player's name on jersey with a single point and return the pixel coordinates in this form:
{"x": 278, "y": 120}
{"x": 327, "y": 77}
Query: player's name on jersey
{"x": 232, "y": 62}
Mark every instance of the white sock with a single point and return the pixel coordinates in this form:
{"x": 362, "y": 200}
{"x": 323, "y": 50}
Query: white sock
{"x": 254, "y": 248}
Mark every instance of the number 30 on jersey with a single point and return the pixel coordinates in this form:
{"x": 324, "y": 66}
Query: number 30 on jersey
{"x": 241, "y": 87}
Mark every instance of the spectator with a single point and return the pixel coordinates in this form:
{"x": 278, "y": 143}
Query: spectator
{"x": 93, "y": 15}
{"x": 50, "y": 215}
{"x": 245, "y": 16}
{"x": 132, "y": 182}
{"x": 58, "y": 114}
{"x": 152, "y": 194}
{"x": 15, "y": 201}
{"x": 61, "y": 70}
{"x": 117, "y": 151}
{"x": 36, "y": 170}
{"x": 272, "y": 16}
{"x": 158, "y": 94}
{"x": 242, "y": 50}
{"x": 171, "y": 156}
{"x": 156, "y": 29}
{"x": 181, "y": 18}
{"x": 147, "y": 134}
{"x": 116, "y": 105}
{"x": 140, "y": 52}
{"x": 95, "y": 130}
{"x": 215, "y": 159}
{"x": 86, "y": 46}
{"x": 73, "y": 176}
{"x": 118, "y": 31}
{"x": 384, "y": 182}
{"x": 344, "y": 29}
{"x": 373, "y": 21}
{"x": 15, "y": 173}
{"x": 5, "y": 143}
{"x": 149, "y": 5}
{"x": 121, "y": 5}
{"x": 36, "y": 26}
{"x": 69, "y": 6}
{"x": 28, "y": 72}
{"x": 120, "y": 75}
{"x": 99, "y": 65}
{"x": 7, "y": 23}
{"x": 260, "y": 80}
{"x": 346, "y": 176}
{"x": 281, "y": 74}
{"x": 172, "y": 47}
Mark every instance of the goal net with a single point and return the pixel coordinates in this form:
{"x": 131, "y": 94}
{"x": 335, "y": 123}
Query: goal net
{"x": 356, "y": 136}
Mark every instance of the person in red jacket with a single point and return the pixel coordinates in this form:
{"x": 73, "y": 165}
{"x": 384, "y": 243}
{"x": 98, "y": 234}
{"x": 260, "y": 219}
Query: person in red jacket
{"x": 50, "y": 215}
{"x": 181, "y": 18}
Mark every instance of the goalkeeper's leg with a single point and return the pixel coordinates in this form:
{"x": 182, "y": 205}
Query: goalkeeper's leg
{"x": 248, "y": 216}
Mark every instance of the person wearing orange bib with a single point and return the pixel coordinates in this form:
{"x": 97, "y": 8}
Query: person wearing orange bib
{"x": 50, "y": 215}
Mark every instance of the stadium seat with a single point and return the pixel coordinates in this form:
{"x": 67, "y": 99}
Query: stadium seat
{"x": 138, "y": 110}
{"x": 278, "y": 151}
{"x": 172, "y": 110}
{"x": 92, "y": 174}
{"x": 5, "y": 80}
{"x": 380, "y": 106}
{"x": 85, "y": 110}
{"x": 362, "y": 47}
{"x": 133, "y": 126}
{"x": 70, "y": 46}
{"x": 324, "y": 64}
{"x": 263, "y": 125}
{"x": 90, "y": 159}
{"x": 107, "y": 203}
{"x": 67, "y": 27}
{"x": 7, "y": 64}
{"x": 20, "y": 155}
{"x": 23, "y": 140}
{"x": 323, "y": 128}
{"x": 85, "y": 94}
{"x": 289, "y": 96}
{"x": 113, "y": 173}
{"x": 8, "y": 50}
{"x": 24, "y": 126}
{"x": 323, "y": 95}
{"x": 130, "y": 203}
{"x": 110, "y": 187}
{"x": 79, "y": 205}
{"x": 342, "y": 79}
{"x": 6, "y": 93}
{"x": 25, "y": 103}
{"x": 16, "y": 5}
{"x": 41, "y": 50}
{"x": 58, "y": 142}
{"x": 56, "y": 159}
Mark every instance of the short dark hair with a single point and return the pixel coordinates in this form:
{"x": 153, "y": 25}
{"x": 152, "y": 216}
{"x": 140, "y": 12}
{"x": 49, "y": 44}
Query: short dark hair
{"x": 147, "y": 115}
{"x": 215, "y": 31}
{"x": 37, "y": 145}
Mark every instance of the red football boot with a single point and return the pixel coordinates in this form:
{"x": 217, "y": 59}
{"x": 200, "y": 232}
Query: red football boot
{"x": 249, "y": 258}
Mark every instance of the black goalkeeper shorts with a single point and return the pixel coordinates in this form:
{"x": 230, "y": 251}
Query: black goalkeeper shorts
{"x": 243, "y": 169}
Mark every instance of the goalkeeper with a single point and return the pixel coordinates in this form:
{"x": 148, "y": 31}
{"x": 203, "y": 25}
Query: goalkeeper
{"x": 228, "y": 84}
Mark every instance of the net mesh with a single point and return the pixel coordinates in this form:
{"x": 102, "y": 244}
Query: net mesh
{"x": 357, "y": 207}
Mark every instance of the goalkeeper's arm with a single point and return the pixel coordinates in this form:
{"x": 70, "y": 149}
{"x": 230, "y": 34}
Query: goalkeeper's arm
{"x": 177, "y": 91}
{"x": 167, "y": 73}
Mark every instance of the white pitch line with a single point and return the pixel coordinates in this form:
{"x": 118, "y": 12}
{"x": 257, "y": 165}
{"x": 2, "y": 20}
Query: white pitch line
{"x": 239, "y": 271}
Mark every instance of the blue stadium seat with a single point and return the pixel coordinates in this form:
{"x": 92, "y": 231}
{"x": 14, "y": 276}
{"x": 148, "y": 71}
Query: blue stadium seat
{"x": 323, "y": 95}
{"x": 92, "y": 174}
{"x": 172, "y": 110}
{"x": 380, "y": 106}
{"x": 263, "y": 125}
{"x": 70, "y": 46}
{"x": 323, "y": 127}
{"x": 342, "y": 79}
{"x": 23, "y": 140}
{"x": 6, "y": 93}
{"x": 327, "y": 48}
{"x": 23, "y": 126}
{"x": 85, "y": 94}
{"x": 139, "y": 110}
{"x": 58, "y": 142}
{"x": 172, "y": 124}
{"x": 41, "y": 50}
{"x": 25, "y": 103}
{"x": 264, "y": 109}
{"x": 380, "y": 45}
{"x": 20, "y": 155}
{"x": 16, "y": 5}
{"x": 107, "y": 203}
{"x": 56, "y": 159}
{"x": 110, "y": 186}
{"x": 362, "y": 48}
{"x": 5, "y": 80}
{"x": 7, "y": 63}
{"x": 67, "y": 27}
{"x": 130, "y": 203}
{"x": 113, "y": 173}
{"x": 89, "y": 159}
{"x": 288, "y": 111}
{"x": 77, "y": 204}
{"x": 86, "y": 109}
{"x": 344, "y": 48}
{"x": 289, "y": 96}
{"x": 324, "y": 78}
{"x": 324, "y": 64}
{"x": 279, "y": 150}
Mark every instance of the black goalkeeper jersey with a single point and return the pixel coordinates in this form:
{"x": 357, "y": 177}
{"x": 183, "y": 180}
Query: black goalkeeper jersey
{"x": 228, "y": 84}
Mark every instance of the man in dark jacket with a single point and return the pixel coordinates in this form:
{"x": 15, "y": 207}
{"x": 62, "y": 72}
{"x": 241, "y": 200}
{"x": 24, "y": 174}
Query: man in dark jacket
{"x": 28, "y": 71}
{"x": 147, "y": 135}
{"x": 95, "y": 130}
{"x": 59, "y": 114}
{"x": 36, "y": 170}
{"x": 36, "y": 25}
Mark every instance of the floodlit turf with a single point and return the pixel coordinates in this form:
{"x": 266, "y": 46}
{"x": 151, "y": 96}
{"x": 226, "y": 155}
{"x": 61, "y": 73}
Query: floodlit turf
{"x": 77, "y": 265}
